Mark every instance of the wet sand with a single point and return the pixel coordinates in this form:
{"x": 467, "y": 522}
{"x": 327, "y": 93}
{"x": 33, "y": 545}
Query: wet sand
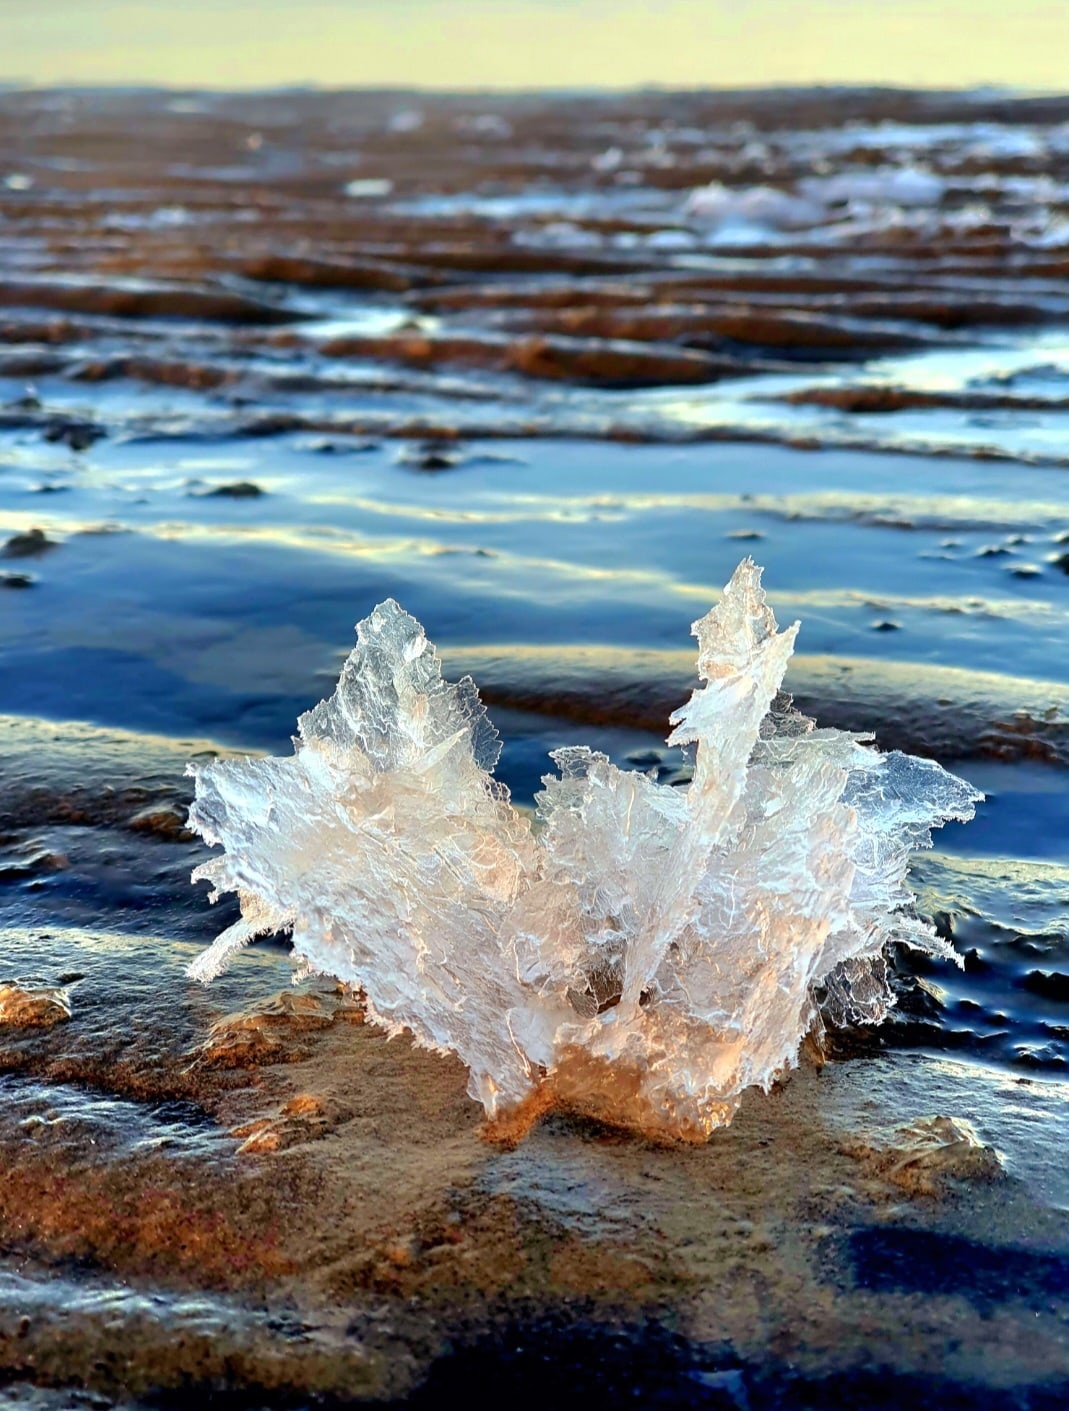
{"x": 249, "y": 1187}
{"x": 543, "y": 370}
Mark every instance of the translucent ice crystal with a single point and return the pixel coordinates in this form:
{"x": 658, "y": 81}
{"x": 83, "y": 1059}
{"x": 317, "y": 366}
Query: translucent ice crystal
{"x": 641, "y": 953}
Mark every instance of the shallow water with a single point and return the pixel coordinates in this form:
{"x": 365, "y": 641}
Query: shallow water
{"x": 222, "y": 443}
{"x": 544, "y": 370}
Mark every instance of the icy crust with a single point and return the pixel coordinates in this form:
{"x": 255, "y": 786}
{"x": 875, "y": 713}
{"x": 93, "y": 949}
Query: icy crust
{"x": 642, "y": 953}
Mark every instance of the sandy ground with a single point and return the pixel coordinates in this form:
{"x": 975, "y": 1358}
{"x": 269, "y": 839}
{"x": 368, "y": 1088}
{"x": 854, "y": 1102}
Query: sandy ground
{"x": 249, "y": 1191}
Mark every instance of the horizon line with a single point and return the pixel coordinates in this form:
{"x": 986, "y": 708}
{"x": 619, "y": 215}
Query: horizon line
{"x": 978, "y": 89}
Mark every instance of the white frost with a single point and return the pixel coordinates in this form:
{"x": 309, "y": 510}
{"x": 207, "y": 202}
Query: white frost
{"x": 643, "y": 953}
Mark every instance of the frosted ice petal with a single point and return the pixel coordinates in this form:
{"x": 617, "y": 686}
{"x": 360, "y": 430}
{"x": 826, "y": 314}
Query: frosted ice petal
{"x": 644, "y": 955}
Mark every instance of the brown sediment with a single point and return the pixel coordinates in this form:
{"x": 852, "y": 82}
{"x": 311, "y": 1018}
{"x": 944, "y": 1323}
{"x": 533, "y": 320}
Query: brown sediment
{"x": 33, "y": 1006}
{"x": 502, "y": 294}
{"x": 510, "y": 1126}
{"x": 331, "y": 274}
{"x": 498, "y": 256}
{"x": 801, "y": 330}
{"x": 55, "y": 332}
{"x": 846, "y": 292}
{"x": 596, "y": 361}
{"x": 613, "y": 361}
{"x": 301, "y": 1119}
{"x": 820, "y": 335}
{"x": 952, "y": 312}
{"x": 180, "y": 225}
{"x": 927, "y": 1155}
{"x": 198, "y": 376}
{"x": 153, "y": 1215}
{"x": 269, "y": 1032}
{"x": 882, "y": 399}
{"x": 420, "y": 349}
{"x": 116, "y": 302}
{"x": 165, "y": 820}
{"x": 612, "y": 1094}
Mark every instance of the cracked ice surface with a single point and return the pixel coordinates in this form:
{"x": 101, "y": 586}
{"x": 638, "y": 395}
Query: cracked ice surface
{"x": 642, "y": 953}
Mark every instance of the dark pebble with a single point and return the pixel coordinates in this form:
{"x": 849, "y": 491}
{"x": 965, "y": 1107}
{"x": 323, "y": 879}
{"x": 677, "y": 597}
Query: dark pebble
{"x": 28, "y": 545}
{"x": 78, "y": 435}
{"x": 430, "y": 456}
{"x": 239, "y": 490}
{"x": 343, "y": 448}
{"x": 645, "y": 758}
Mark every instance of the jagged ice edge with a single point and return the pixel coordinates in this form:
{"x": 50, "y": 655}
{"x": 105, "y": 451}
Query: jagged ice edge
{"x": 626, "y": 930}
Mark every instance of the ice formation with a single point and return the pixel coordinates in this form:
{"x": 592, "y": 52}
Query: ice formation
{"x": 639, "y": 952}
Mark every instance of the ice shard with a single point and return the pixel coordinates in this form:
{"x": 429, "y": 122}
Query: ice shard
{"x": 642, "y": 953}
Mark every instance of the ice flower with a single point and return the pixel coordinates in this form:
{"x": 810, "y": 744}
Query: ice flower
{"x": 639, "y": 952}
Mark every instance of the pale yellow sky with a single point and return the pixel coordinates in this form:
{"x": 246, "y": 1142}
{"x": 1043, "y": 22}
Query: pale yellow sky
{"x": 536, "y": 43}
